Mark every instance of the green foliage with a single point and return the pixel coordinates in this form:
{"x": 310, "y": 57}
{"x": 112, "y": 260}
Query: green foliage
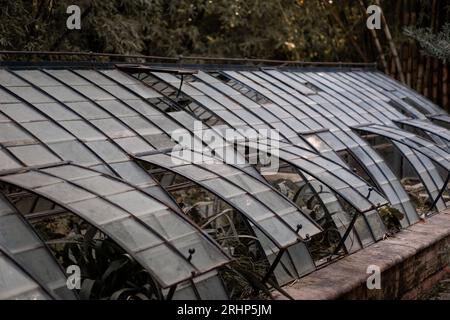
{"x": 276, "y": 29}
{"x": 391, "y": 218}
{"x": 433, "y": 44}
{"x": 107, "y": 272}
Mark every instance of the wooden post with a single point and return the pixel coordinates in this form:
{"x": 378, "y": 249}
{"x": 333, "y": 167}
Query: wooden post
{"x": 394, "y": 51}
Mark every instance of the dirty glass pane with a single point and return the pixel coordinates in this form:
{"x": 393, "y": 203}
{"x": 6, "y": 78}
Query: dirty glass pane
{"x": 102, "y": 185}
{"x": 47, "y": 131}
{"x": 93, "y": 93}
{"x": 137, "y": 202}
{"x": 94, "y": 76}
{"x": 98, "y": 210}
{"x": 33, "y": 155}
{"x": 67, "y": 77}
{"x": 247, "y": 183}
{"x": 82, "y": 130}
{"x": 175, "y": 268}
{"x": 64, "y": 192}
{"x": 132, "y": 234}
{"x": 56, "y": 111}
{"x": 74, "y": 151}
{"x": 21, "y": 112}
{"x": 69, "y": 172}
{"x": 132, "y": 172}
{"x": 195, "y": 172}
{"x": 15, "y": 284}
{"x": 29, "y": 94}
{"x": 141, "y": 125}
{"x": 143, "y": 90}
{"x": 117, "y": 108}
{"x": 15, "y": 234}
{"x": 88, "y": 110}
{"x": 8, "y": 79}
{"x": 112, "y": 128}
{"x": 10, "y": 134}
{"x": 223, "y": 187}
{"x": 7, "y": 162}
{"x": 204, "y": 255}
{"x": 107, "y": 151}
{"x": 167, "y": 224}
{"x": 134, "y": 145}
{"x": 63, "y": 94}
{"x": 30, "y": 179}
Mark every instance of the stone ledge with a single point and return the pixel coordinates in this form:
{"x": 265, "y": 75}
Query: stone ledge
{"x": 409, "y": 262}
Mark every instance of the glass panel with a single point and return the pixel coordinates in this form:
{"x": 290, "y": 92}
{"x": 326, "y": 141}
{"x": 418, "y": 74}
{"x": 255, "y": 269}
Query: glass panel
{"x": 119, "y": 76}
{"x": 103, "y": 186}
{"x": 15, "y": 234}
{"x": 14, "y": 282}
{"x": 94, "y": 76}
{"x": 143, "y": 91}
{"x": 118, "y": 92}
{"x": 251, "y": 207}
{"x": 132, "y": 234}
{"x": 222, "y": 187}
{"x": 56, "y": 111}
{"x": 160, "y": 141}
{"x": 7, "y": 162}
{"x": 107, "y": 151}
{"x": 7, "y": 98}
{"x": 88, "y": 110}
{"x": 64, "y": 193}
{"x": 9, "y": 79}
{"x": 21, "y": 112}
{"x": 117, "y": 108}
{"x": 112, "y": 128}
{"x": 70, "y": 172}
{"x": 74, "y": 151}
{"x": 98, "y": 210}
{"x": 141, "y": 125}
{"x": 142, "y": 107}
{"x": 136, "y": 202}
{"x": 93, "y": 93}
{"x": 30, "y": 179}
{"x": 278, "y": 231}
{"x": 62, "y": 94}
{"x": 275, "y": 202}
{"x": 168, "y": 224}
{"x": 204, "y": 255}
{"x": 82, "y": 130}
{"x": 160, "y": 258}
{"x": 47, "y": 131}
{"x": 132, "y": 172}
{"x": 195, "y": 173}
{"x": 10, "y": 134}
{"x": 134, "y": 145}
{"x": 33, "y": 155}
{"x": 28, "y": 94}
{"x": 67, "y": 77}
{"x": 40, "y": 262}
{"x": 249, "y": 184}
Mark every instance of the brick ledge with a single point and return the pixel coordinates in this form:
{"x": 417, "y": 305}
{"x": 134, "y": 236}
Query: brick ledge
{"x": 414, "y": 257}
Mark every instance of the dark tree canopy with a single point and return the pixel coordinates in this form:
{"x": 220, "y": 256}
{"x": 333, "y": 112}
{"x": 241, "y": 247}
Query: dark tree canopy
{"x": 307, "y": 30}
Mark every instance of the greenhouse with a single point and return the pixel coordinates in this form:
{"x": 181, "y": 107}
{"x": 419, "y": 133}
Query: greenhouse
{"x": 91, "y": 175}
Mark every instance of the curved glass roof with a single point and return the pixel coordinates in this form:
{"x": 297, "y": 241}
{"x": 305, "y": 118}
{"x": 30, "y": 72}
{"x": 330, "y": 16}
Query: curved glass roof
{"x": 81, "y": 137}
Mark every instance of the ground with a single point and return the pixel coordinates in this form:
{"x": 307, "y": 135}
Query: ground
{"x": 441, "y": 291}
